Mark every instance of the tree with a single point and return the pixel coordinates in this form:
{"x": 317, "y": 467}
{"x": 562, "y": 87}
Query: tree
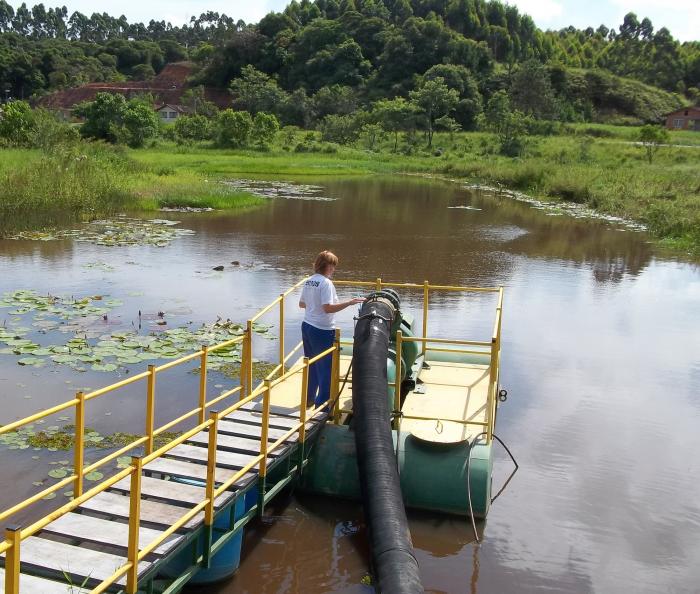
{"x": 101, "y": 115}
{"x": 372, "y": 133}
{"x": 265, "y": 128}
{"x": 139, "y": 123}
{"x": 448, "y": 124}
{"x": 395, "y": 115}
{"x": 508, "y": 125}
{"x": 460, "y": 79}
{"x": 255, "y": 91}
{"x": 335, "y": 99}
{"x": 16, "y": 123}
{"x": 652, "y": 138}
{"x": 233, "y": 128}
{"x": 435, "y": 100}
{"x": 532, "y": 91}
{"x": 111, "y": 117}
{"x": 195, "y": 99}
{"x": 143, "y": 72}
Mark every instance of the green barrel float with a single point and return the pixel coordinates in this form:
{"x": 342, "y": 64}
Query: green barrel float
{"x": 433, "y": 476}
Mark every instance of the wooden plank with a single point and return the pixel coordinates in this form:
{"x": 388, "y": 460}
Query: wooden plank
{"x": 194, "y": 471}
{"x": 91, "y": 529}
{"x": 228, "y": 427}
{"x": 171, "y": 491}
{"x": 223, "y": 459}
{"x": 229, "y": 443}
{"x": 152, "y": 512}
{"x": 255, "y": 418}
{"x": 29, "y": 584}
{"x": 452, "y": 391}
{"x": 49, "y": 556}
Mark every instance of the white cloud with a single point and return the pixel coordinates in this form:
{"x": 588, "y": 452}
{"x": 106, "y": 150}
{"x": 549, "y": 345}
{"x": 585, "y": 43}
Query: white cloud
{"x": 681, "y": 19}
{"x": 545, "y": 12}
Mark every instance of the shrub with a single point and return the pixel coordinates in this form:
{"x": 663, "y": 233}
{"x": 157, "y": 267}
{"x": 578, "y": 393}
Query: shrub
{"x": 343, "y": 129}
{"x": 233, "y": 128}
{"x": 542, "y": 127}
{"x": 16, "y": 123}
{"x": 191, "y": 128}
{"x": 265, "y": 128}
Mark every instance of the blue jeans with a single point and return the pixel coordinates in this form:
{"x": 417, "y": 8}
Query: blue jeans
{"x": 316, "y": 341}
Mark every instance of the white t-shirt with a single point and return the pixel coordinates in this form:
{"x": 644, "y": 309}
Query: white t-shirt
{"x": 317, "y": 292}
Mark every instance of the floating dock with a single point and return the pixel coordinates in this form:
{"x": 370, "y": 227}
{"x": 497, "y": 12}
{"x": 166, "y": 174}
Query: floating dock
{"x": 177, "y": 512}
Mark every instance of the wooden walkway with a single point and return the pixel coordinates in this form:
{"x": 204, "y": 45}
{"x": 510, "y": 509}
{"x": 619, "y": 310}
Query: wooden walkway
{"x": 82, "y": 548}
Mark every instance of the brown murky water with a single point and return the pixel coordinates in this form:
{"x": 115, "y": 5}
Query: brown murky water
{"x": 601, "y": 357}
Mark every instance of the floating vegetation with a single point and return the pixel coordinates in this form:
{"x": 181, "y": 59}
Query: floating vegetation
{"x": 279, "y": 189}
{"x": 571, "y": 209}
{"x": 186, "y": 209}
{"x": 121, "y": 231}
{"x": 261, "y": 369}
{"x": 90, "y": 348}
{"x": 103, "y": 266}
{"x": 119, "y": 439}
{"x": 464, "y": 207}
{"x": 55, "y": 438}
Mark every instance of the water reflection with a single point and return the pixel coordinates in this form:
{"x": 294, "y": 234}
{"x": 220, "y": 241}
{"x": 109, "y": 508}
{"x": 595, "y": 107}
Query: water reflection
{"x": 600, "y": 356}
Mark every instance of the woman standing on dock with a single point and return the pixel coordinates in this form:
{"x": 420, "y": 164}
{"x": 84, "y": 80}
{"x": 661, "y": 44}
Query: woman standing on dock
{"x": 320, "y": 302}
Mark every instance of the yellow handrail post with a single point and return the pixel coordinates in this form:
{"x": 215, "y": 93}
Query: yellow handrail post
{"x": 491, "y": 394}
{"x": 13, "y": 535}
{"x": 397, "y": 379}
{"x": 203, "y": 384}
{"x": 335, "y": 377}
{"x": 249, "y": 359}
{"x": 426, "y": 292}
{"x": 378, "y": 284}
{"x": 79, "y": 444}
{"x": 244, "y": 367}
{"x": 211, "y": 483}
{"x": 302, "y": 404}
{"x": 132, "y": 576}
{"x": 150, "y": 407}
{"x": 263, "y": 446}
{"x": 282, "y": 333}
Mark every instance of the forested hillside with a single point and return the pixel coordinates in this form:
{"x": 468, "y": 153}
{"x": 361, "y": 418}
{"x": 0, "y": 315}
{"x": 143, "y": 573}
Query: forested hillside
{"x": 333, "y": 56}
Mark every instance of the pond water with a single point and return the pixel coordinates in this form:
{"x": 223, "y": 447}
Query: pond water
{"x": 601, "y": 358}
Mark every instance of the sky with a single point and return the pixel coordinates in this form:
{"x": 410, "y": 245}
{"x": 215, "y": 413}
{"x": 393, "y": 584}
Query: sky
{"x": 681, "y": 17}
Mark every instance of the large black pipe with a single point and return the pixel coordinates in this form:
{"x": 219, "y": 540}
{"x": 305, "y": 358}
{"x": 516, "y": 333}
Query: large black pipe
{"x": 395, "y": 565}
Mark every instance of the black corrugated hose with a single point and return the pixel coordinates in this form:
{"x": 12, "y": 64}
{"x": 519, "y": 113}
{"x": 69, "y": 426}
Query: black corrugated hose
{"x": 395, "y": 565}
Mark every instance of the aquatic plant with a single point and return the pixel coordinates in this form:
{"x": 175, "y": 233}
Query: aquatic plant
{"x": 90, "y": 348}
{"x": 120, "y": 231}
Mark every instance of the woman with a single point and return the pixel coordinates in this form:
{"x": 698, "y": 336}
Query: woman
{"x": 320, "y": 302}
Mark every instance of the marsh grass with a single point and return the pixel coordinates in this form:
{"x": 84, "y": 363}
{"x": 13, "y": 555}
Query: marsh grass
{"x": 181, "y": 188}
{"x": 72, "y": 181}
{"x": 84, "y": 181}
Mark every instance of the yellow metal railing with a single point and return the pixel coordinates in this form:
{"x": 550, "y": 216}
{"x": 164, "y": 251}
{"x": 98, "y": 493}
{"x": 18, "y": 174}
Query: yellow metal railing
{"x": 491, "y": 348}
{"x": 14, "y": 536}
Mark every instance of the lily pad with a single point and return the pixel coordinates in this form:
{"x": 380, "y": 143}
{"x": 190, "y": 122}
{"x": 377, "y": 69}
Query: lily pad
{"x": 105, "y": 367}
{"x": 58, "y": 473}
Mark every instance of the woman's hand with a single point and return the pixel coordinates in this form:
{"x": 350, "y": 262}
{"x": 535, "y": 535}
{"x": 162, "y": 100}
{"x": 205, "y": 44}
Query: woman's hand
{"x": 336, "y": 307}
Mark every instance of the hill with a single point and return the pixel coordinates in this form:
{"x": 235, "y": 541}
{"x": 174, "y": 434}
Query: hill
{"x": 354, "y": 52}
